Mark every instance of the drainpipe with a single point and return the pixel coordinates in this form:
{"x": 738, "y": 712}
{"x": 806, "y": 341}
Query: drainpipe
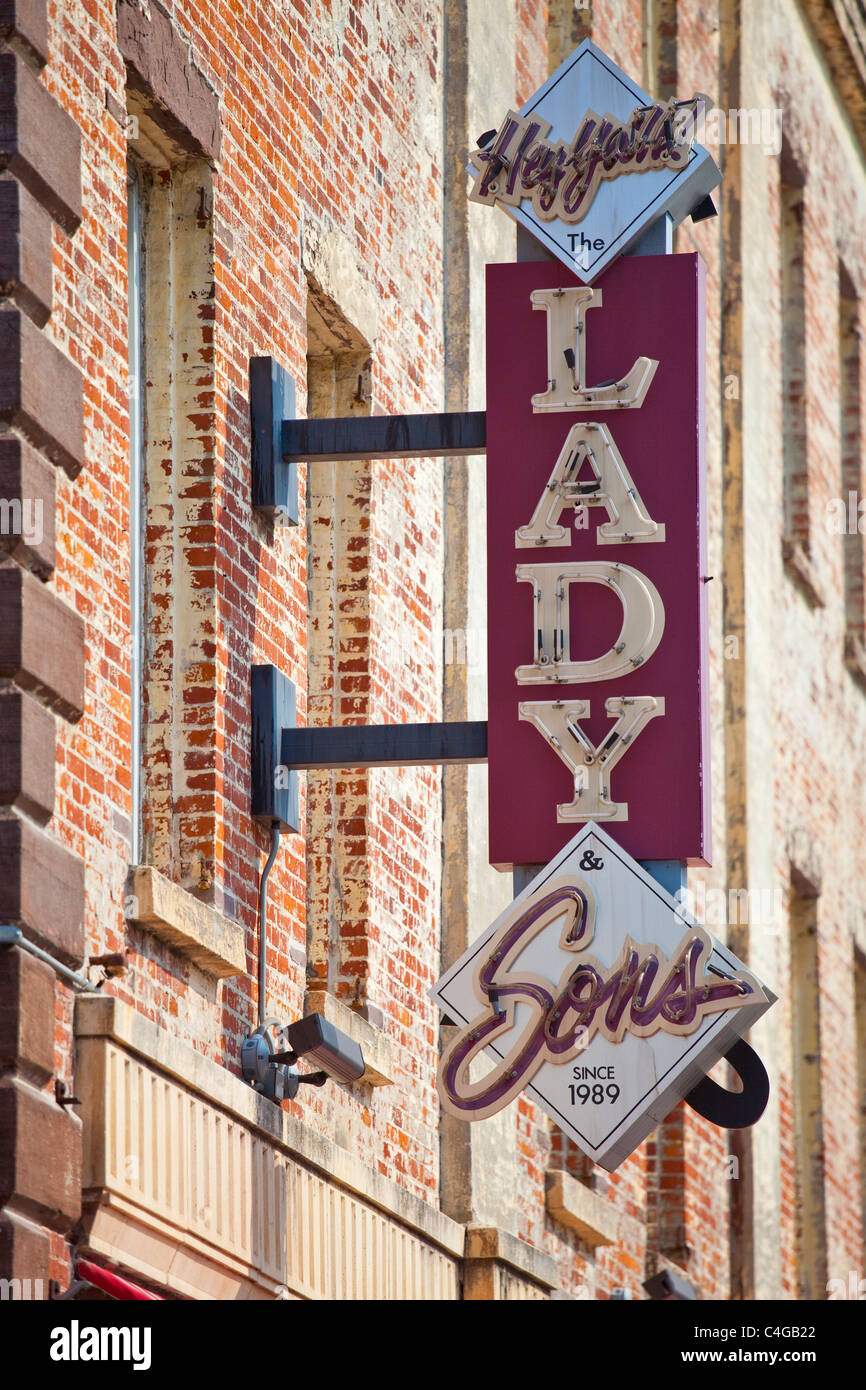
{"x": 13, "y": 936}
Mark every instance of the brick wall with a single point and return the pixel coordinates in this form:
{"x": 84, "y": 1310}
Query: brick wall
{"x": 345, "y": 136}
{"x": 811, "y": 724}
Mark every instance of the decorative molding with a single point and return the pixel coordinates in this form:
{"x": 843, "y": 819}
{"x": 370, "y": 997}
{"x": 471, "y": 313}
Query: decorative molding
{"x": 594, "y": 1218}
{"x": 28, "y": 486}
{"x": 41, "y": 392}
{"x": 26, "y": 1016}
{"x": 41, "y": 643}
{"x": 102, "y": 1015}
{"x": 42, "y": 888}
{"x": 28, "y": 738}
{"x": 26, "y": 272}
{"x": 238, "y": 1199}
{"x": 41, "y": 649}
{"x": 39, "y": 142}
{"x": 530, "y": 1265}
{"x": 33, "y": 1126}
{"x": 208, "y": 938}
{"x": 376, "y": 1047}
{"x": 24, "y": 26}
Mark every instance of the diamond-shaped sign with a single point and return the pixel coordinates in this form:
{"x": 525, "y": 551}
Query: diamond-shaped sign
{"x": 599, "y": 996}
{"x": 598, "y": 162}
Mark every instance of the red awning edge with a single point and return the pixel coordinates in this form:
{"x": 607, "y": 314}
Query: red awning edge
{"x": 113, "y": 1284}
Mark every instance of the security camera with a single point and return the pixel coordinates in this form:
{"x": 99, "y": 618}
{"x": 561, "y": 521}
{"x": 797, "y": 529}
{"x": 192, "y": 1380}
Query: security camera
{"x": 669, "y": 1287}
{"x": 320, "y": 1042}
{"x": 274, "y": 1075}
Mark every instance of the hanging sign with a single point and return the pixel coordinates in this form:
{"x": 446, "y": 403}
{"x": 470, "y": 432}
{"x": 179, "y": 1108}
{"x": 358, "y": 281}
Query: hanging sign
{"x": 597, "y": 995}
{"x": 594, "y": 992}
{"x": 597, "y": 611}
{"x": 588, "y": 185}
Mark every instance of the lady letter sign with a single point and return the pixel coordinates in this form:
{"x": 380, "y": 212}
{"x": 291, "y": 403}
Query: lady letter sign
{"x": 597, "y": 627}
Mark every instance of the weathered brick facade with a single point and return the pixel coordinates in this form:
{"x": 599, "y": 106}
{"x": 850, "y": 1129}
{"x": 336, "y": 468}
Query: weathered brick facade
{"x": 300, "y": 172}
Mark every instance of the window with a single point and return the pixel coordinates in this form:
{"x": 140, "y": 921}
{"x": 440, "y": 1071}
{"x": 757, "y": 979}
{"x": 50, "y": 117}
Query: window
{"x": 666, "y": 1190}
{"x": 569, "y": 22}
{"x": 135, "y": 261}
{"x": 659, "y": 30}
{"x": 338, "y": 589}
{"x": 794, "y": 451}
{"x": 810, "y": 1242}
{"x": 796, "y": 499}
{"x": 565, "y": 1154}
{"x": 852, "y": 521}
{"x": 174, "y": 555}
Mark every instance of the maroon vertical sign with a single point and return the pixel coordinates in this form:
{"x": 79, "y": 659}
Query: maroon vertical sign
{"x": 597, "y": 611}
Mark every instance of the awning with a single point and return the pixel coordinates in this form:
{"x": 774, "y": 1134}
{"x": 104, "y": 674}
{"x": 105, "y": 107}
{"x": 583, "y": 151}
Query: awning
{"x": 113, "y": 1284}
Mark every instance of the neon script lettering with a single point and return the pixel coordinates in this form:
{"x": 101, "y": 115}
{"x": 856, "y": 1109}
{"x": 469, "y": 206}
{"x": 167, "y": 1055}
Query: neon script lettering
{"x": 563, "y": 179}
{"x": 642, "y": 992}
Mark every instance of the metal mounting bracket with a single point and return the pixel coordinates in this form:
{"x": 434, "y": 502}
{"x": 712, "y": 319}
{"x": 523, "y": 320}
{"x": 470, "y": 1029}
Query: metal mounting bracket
{"x": 274, "y": 479}
{"x": 384, "y": 745}
{"x": 454, "y": 434}
{"x": 274, "y": 788}
{"x": 279, "y": 440}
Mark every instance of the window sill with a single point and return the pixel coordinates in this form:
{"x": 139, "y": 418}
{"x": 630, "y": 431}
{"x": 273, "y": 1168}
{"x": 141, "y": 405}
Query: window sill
{"x": 212, "y": 941}
{"x": 592, "y": 1217}
{"x": 376, "y": 1047}
{"x": 802, "y": 572}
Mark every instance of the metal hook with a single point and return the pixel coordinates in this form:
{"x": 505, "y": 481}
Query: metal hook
{"x": 734, "y": 1109}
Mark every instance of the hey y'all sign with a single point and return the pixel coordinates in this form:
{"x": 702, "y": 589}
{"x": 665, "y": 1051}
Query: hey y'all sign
{"x": 597, "y": 612}
{"x": 590, "y": 162}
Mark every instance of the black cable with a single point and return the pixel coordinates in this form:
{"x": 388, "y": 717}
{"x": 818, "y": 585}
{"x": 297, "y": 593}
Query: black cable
{"x": 263, "y": 919}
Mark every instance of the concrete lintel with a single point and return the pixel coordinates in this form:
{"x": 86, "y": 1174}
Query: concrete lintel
{"x": 331, "y": 259}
